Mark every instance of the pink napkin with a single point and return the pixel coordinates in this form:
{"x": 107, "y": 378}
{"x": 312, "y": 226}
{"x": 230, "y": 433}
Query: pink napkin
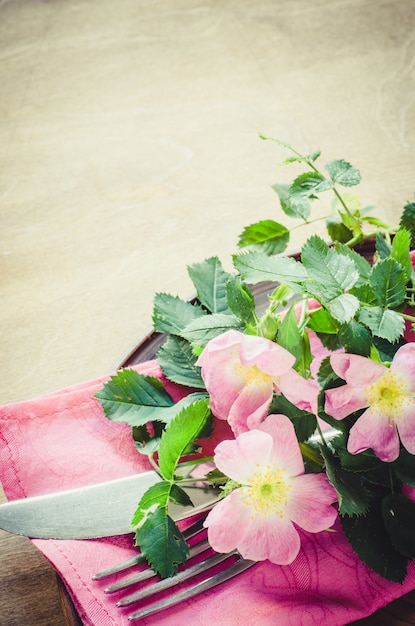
{"x": 63, "y": 440}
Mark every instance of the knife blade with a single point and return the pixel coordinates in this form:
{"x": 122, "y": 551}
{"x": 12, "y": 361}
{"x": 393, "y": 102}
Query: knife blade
{"x": 101, "y": 510}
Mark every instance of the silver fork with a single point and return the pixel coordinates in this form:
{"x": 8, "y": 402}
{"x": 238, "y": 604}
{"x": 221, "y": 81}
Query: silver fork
{"x": 230, "y": 565}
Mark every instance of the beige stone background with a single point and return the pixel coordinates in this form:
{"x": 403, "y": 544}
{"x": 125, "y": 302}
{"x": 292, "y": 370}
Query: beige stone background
{"x": 129, "y": 148}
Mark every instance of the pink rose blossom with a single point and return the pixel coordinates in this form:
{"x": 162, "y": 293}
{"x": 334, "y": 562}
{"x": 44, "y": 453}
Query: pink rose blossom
{"x": 241, "y": 372}
{"x": 389, "y": 395}
{"x": 259, "y": 517}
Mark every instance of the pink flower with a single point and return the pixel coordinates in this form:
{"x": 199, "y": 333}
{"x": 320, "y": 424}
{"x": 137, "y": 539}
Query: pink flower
{"x": 389, "y": 395}
{"x": 240, "y": 373}
{"x": 258, "y": 517}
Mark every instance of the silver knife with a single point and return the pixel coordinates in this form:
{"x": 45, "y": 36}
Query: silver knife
{"x": 102, "y": 510}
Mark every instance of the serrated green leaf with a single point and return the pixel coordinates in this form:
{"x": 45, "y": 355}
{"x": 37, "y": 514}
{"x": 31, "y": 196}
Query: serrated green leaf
{"x": 355, "y": 338}
{"x": 343, "y": 307}
{"x": 408, "y": 220}
{"x": 369, "y": 539}
{"x": 177, "y": 360}
{"x": 182, "y": 430}
{"x": 400, "y": 251}
{"x": 209, "y": 279}
{"x": 155, "y": 497}
{"x": 382, "y": 322}
{"x": 383, "y": 248}
{"x": 352, "y": 495}
{"x": 321, "y": 321}
{"x": 296, "y": 206}
{"x": 404, "y": 467}
{"x": 308, "y": 184}
{"x": 303, "y": 421}
{"x": 398, "y": 514}
{"x": 388, "y": 283}
{"x": 162, "y": 543}
{"x": 180, "y": 496}
{"x": 241, "y": 300}
{"x": 363, "y": 267}
{"x": 331, "y": 273}
{"x": 337, "y": 230}
{"x": 200, "y": 331}
{"x": 171, "y": 314}
{"x": 290, "y": 337}
{"x": 256, "y": 267}
{"x": 343, "y": 173}
{"x": 133, "y": 398}
{"x": 266, "y": 235}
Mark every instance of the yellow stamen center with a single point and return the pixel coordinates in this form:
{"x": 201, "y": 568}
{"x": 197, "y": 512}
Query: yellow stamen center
{"x": 252, "y": 375}
{"x": 389, "y": 395}
{"x": 267, "y": 492}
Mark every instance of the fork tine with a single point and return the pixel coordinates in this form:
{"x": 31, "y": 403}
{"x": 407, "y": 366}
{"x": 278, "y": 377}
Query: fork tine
{"x": 166, "y": 583}
{"x": 208, "y": 583}
{"x": 190, "y": 532}
{"x": 141, "y": 576}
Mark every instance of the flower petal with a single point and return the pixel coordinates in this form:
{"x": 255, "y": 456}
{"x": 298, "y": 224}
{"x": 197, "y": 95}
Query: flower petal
{"x": 250, "y": 407}
{"x": 227, "y": 523}
{"x": 286, "y": 451}
{"x": 231, "y": 525}
{"x": 271, "y": 538}
{"x": 356, "y": 370}
{"x": 310, "y": 503}
{"x": 302, "y": 392}
{"x": 239, "y": 458}
{"x": 226, "y": 341}
{"x": 344, "y": 400}
{"x": 404, "y": 363}
{"x": 406, "y": 428}
{"x": 268, "y": 356}
{"x": 374, "y": 431}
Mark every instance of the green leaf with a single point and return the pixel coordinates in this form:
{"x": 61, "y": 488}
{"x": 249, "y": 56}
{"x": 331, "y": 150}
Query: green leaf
{"x": 267, "y": 235}
{"x": 180, "y": 496}
{"x": 200, "y": 331}
{"x": 408, "y": 220}
{"x": 321, "y": 321}
{"x": 369, "y": 539}
{"x": 383, "y": 248}
{"x": 241, "y": 300}
{"x": 133, "y": 398}
{"x": 182, "y": 431}
{"x": 363, "y": 267}
{"x": 343, "y": 173}
{"x": 404, "y": 467}
{"x": 308, "y": 184}
{"x": 177, "y": 360}
{"x": 337, "y": 230}
{"x": 382, "y": 322}
{"x": 303, "y": 421}
{"x": 256, "y": 267}
{"x": 332, "y": 273}
{"x": 398, "y": 514}
{"x": 162, "y": 543}
{"x": 296, "y": 206}
{"x": 289, "y": 335}
{"x": 355, "y": 338}
{"x": 388, "y": 283}
{"x": 343, "y": 307}
{"x": 352, "y": 495}
{"x": 155, "y": 497}
{"x": 400, "y": 251}
{"x": 209, "y": 279}
{"x": 171, "y": 314}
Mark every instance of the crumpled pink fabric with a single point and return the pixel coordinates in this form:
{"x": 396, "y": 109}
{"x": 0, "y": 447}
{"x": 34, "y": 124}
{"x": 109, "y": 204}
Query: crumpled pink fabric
{"x": 63, "y": 440}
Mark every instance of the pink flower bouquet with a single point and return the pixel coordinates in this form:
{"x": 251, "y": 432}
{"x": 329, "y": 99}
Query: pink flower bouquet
{"x": 310, "y": 400}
